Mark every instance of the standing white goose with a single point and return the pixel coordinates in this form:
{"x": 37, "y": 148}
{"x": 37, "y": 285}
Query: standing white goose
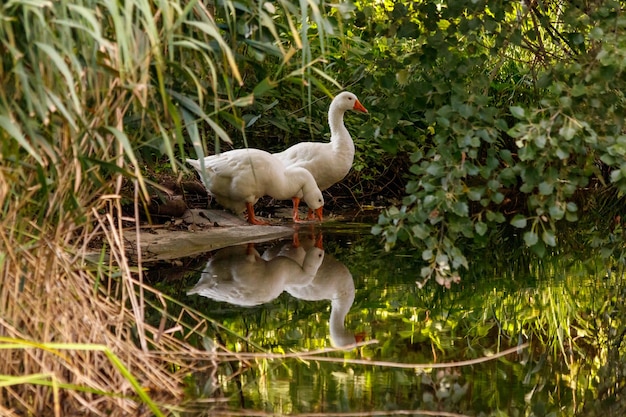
{"x": 238, "y": 178}
{"x": 329, "y": 162}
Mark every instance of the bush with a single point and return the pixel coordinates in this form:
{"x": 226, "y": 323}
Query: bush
{"x": 515, "y": 111}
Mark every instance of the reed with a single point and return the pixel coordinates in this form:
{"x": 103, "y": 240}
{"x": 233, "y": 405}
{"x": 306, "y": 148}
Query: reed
{"x": 88, "y": 87}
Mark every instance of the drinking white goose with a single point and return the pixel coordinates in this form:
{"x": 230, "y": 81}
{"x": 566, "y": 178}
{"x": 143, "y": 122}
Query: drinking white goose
{"x": 238, "y": 275}
{"x": 238, "y": 178}
{"x": 329, "y": 162}
{"x": 333, "y": 281}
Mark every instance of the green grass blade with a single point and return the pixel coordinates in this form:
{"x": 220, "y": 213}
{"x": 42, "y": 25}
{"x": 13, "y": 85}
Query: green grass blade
{"x": 14, "y": 131}
{"x": 7, "y": 343}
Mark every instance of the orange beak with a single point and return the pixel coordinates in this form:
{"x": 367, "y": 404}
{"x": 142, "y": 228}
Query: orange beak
{"x": 359, "y": 107}
{"x": 318, "y": 213}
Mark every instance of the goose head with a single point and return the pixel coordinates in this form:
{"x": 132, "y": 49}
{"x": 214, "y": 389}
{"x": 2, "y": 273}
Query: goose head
{"x": 310, "y": 192}
{"x": 346, "y": 101}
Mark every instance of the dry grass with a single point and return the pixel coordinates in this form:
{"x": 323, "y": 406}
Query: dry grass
{"x": 73, "y": 340}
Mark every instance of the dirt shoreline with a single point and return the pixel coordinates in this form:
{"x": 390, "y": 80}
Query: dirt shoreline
{"x": 198, "y": 231}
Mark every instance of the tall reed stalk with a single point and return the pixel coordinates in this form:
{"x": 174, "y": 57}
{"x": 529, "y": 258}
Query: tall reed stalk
{"x": 87, "y": 86}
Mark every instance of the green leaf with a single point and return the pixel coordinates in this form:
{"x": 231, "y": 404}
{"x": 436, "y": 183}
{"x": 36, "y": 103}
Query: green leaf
{"x": 519, "y": 221}
{"x": 495, "y": 216}
{"x": 596, "y": 33}
{"x": 426, "y": 271}
{"x": 420, "y": 231}
{"x": 578, "y": 90}
{"x": 193, "y": 107}
{"x": 402, "y": 77}
{"x": 527, "y": 153}
{"x": 458, "y": 259}
{"x": 546, "y": 188}
{"x": 539, "y": 249}
{"x": 435, "y": 169}
{"x": 263, "y": 87}
{"x": 531, "y": 238}
{"x": 497, "y": 198}
{"x": 14, "y": 130}
{"x": 212, "y": 30}
{"x": 442, "y": 259}
{"x": 548, "y": 237}
{"x": 475, "y": 194}
{"x": 481, "y": 228}
{"x": 517, "y": 112}
{"x": 130, "y": 154}
{"x": 460, "y": 208}
{"x": 194, "y": 134}
{"x": 65, "y": 71}
{"x": 393, "y": 211}
{"x": 562, "y": 153}
{"x": 540, "y": 141}
{"x": 556, "y": 212}
{"x": 244, "y": 101}
{"x": 567, "y": 132}
{"x": 616, "y": 175}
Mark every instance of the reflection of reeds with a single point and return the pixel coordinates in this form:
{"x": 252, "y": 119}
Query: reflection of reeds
{"x": 315, "y": 356}
{"x": 87, "y": 87}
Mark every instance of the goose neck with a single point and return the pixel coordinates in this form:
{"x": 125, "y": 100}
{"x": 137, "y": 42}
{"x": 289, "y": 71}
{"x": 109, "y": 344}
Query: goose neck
{"x": 292, "y": 183}
{"x": 339, "y": 335}
{"x": 335, "y": 122}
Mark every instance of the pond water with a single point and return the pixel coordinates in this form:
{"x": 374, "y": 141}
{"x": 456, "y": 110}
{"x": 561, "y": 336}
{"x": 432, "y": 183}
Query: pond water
{"x": 563, "y": 317}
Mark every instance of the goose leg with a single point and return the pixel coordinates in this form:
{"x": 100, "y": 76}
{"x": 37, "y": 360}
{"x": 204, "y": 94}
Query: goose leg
{"x": 295, "y": 240}
{"x": 251, "y": 218}
{"x": 312, "y": 215}
{"x": 296, "y": 204}
{"x": 318, "y": 242}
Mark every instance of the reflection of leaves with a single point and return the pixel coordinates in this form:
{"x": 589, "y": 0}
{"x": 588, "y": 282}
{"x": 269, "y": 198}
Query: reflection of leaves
{"x": 531, "y": 238}
{"x": 502, "y": 302}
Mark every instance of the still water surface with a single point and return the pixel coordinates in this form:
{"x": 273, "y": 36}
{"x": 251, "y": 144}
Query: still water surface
{"x": 331, "y": 287}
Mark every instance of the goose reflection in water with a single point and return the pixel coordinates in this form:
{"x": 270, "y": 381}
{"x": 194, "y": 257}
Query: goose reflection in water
{"x": 240, "y": 276}
{"x": 333, "y": 281}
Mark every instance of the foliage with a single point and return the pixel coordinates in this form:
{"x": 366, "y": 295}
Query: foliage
{"x": 516, "y": 110}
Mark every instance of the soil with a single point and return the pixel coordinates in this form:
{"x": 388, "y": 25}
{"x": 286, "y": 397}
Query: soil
{"x": 197, "y": 231}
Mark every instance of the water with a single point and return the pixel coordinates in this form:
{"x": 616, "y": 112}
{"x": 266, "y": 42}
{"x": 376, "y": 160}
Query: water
{"x": 338, "y": 287}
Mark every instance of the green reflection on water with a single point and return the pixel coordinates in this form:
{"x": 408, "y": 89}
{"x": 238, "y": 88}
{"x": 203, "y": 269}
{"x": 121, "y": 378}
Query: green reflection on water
{"x": 570, "y": 308}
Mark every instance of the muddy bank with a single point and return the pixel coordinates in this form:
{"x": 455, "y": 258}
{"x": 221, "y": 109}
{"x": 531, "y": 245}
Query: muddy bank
{"x": 198, "y": 231}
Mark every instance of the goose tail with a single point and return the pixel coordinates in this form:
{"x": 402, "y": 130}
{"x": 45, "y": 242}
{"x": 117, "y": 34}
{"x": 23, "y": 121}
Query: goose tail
{"x": 194, "y": 163}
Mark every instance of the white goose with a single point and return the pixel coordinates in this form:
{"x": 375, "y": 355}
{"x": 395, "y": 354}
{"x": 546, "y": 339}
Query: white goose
{"x": 333, "y": 281}
{"x": 238, "y": 275}
{"x": 329, "y": 162}
{"x": 238, "y": 178}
